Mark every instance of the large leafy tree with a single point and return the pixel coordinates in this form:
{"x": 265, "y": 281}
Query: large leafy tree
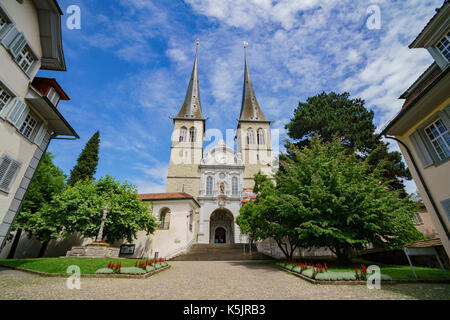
{"x": 326, "y": 197}
{"x": 332, "y": 115}
{"x": 263, "y": 218}
{"x": 80, "y": 208}
{"x": 48, "y": 181}
{"x": 87, "y": 161}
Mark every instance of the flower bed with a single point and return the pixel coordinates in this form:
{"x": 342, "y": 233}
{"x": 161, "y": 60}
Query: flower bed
{"x": 141, "y": 267}
{"x": 320, "y": 272}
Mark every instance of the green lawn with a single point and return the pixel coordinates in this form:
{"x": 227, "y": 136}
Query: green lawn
{"x": 59, "y": 265}
{"x": 395, "y": 272}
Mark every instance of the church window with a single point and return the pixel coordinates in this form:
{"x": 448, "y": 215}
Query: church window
{"x": 234, "y": 186}
{"x": 164, "y": 218}
{"x": 209, "y": 185}
{"x": 250, "y": 136}
{"x": 192, "y": 134}
{"x": 183, "y": 134}
{"x": 261, "y": 137}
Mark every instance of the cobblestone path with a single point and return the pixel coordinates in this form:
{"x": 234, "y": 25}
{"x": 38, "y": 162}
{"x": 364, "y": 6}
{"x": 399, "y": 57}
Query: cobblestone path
{"x": 210, "y": 280}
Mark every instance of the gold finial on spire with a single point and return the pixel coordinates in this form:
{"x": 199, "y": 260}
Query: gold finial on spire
{"x": 245, "y": 44}
{"x": 197, "y": 41}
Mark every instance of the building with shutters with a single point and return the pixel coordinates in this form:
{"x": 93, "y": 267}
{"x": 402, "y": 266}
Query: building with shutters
{"x": 30, "y": 40}
{"x": 422, "y": 127}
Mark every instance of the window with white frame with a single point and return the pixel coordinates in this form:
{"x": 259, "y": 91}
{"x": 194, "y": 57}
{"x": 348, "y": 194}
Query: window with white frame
{"x": 25, "y": 59}
{"x": 209, "y": 185}
{"x": 440, "y": 138}
{"x": 4, "y": 98}
{"x": 8, "y": 172}
{"x": 53, "y": 96}
{"x": 234, "y": 186}
{"x": 28, "y": 126}
{"x": 444, "y": 46}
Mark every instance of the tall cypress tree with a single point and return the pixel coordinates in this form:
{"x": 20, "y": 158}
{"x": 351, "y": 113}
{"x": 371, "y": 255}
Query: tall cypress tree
{"x": 87, "y": 161}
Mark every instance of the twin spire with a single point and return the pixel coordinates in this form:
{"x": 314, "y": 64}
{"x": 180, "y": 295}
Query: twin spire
{"x": 192, "y": 109}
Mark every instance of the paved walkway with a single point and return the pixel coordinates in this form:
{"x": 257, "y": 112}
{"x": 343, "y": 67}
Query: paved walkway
{"x": 210, "y": 280}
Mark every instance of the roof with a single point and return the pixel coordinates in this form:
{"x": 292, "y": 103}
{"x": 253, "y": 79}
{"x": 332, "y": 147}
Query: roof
{"x": 440, "y": 13}
{"x": 426, "y": 243}
{"x": 421, "y": 84}
{"x": 192, "y": 107}
{"x": 166, "y": 196}
{"x": 250, "y": 109}
{"x": 49, "y": 17}
{"x": 422, "y": 88}
{"x": 49, "y": 112}
{"x": 52, "y": 82}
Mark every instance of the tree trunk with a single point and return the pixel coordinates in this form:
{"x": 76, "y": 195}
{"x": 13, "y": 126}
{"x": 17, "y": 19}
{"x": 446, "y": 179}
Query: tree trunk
{"x": 14, "y": 245}
{"x": 343, "y": 256}
{"x": 43, "y": 248}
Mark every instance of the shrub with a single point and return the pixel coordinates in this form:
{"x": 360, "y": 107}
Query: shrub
{"x": 158, "y": 265}
{"x": 104, "y": 271}
{"x": 150, "y": 268}
{"x": 132, "y": 270}
{"x": 289, "y": 265}
{"x": 334, "y": 276}
{"x": 164, "y": 264}
{"x": 385, "y": 277}
{"x": 297, "y": 269}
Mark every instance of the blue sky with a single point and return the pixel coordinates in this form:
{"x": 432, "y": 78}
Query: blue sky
{"x": 129, "y": 65}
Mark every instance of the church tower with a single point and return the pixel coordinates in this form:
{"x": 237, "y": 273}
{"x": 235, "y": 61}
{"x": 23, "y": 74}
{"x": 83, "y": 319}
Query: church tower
{"x": 253, "y": 133}
{"x": 187, "y": 140}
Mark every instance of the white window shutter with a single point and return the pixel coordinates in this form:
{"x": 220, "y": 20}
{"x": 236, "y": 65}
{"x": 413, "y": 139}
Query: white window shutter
{"x": 18, "y": 113}
{"x": 420, "y": 149}
{"x": 17, "y": 45}
{"x": 9, "y": 37}
{"x": 4, "y": 165}
{"x": 7, "y": 178}
{"x": 40, "y": 134}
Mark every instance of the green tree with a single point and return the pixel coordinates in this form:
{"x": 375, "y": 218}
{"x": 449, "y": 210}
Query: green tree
{"x": 343, "y": 203}
{"x": 332, "y": 115}
{"x": 326, "y": 197}
{"x": 80, "y": 209}
{"x": 263, "y": 218}
{"x": 48, "y": 181}
{"x": 87, "y": 161}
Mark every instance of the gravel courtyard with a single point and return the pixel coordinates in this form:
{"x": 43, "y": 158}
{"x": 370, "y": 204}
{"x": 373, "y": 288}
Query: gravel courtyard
{"x": 222, "y": 280}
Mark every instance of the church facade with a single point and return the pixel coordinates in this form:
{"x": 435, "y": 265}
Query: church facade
{"x": 216, "y": 181}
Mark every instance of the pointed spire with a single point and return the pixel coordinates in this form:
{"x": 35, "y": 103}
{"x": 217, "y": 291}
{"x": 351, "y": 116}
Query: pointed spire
{"x": 192, "y": 108}
{"x": 250, "y": 109}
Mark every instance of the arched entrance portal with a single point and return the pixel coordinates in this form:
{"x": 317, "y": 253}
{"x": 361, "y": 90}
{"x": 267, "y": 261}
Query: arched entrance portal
{"x": 221, "y": 227}
{"x": 220, "y": 235}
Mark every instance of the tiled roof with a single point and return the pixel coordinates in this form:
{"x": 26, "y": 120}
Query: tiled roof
{"x": 165, "y": 196}
{"x": 422, "y": 83}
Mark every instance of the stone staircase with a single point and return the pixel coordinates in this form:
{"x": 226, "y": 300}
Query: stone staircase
{"x": 224, "y": 252}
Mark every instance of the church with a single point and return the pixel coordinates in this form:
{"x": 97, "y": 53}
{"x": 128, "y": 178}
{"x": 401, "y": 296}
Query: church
{"x": 205, "y": 190}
